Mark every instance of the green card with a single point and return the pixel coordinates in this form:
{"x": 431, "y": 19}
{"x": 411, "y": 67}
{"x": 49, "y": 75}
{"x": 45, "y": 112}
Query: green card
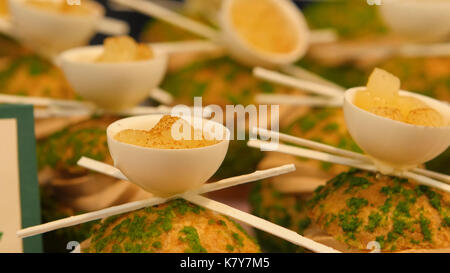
{"x": 19, "y": 189}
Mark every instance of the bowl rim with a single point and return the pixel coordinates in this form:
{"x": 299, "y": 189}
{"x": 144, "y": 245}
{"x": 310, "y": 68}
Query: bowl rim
{"x": 294, "y": 15}
{"x": 69, "y": 56}
{"x": 350, "y": 93}
{"x": 98, "y": 13}
{"x": 111, "y": 138}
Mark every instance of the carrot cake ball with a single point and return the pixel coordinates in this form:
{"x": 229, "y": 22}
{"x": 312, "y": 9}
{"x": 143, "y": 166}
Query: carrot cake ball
{"x": 27, "y": 74}
{"x": 176, "y": 227}
{"x": 62, "y": 150}
{"x": 358, "y": 207}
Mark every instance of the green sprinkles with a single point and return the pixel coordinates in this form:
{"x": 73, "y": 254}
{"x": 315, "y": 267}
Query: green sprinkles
{"x": 374, "y": 221}
{"x": 425, "y": 227}
{"x": 239, "y": 240}
{"x": 191, "y": 237}
{"x": 230, "y": 247}
{"x": 157, "y": 244}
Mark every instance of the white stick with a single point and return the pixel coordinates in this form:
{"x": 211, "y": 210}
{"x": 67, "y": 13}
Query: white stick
{"x": 330, "y": 149}
{"x": 260, "y": 223}
{"x": 321, "y": 36}
{"x": 418, "y": 50}
{"x": 107, "y": 169}
{"x": 146, "y": 110}
{"x": 161, "y": 96}
{"x": 302, "y": 152}
{"x": 296, "y": 151}
{"x": 112, "y": 26}
{"x": 57, "y": 112}
{"x": 45, "y": 102}
{"x": 90, "y": 216}
{"x": 237, "y": 180}
{"x": 426, "y": 181}
{"x": 310, "y": 144}
{"x": 297, "y": 100}
{"x": 283, "y": 79}
{"x": 162, "y": 109}
{"x": 101, "y": 167}
{"x": 171, "y": 17}
{"x": 304, "y": 74}
{"x": 435, "y": 175}
{"x": 186, "y": 46}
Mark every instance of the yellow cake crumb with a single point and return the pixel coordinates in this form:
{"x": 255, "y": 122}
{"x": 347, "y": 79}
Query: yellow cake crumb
{"x": 264, "y": 26}
{"x": 124, "y": 49}
{"x": 382, "y": 98}
{"x": 161, "y": 137}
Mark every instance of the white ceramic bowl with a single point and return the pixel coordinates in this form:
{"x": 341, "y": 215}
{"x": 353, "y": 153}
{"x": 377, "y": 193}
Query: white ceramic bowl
{"x": 245, "y": 53}
{"x": 393, "y": 143}
{"x": 164, "y": 172}
{"x": 50, "y": 32}
{"x": 421, "y": 20}
{"x": 112, "y": 86}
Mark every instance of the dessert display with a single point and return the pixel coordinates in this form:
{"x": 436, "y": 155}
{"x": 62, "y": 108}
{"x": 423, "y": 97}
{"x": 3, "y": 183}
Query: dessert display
{"x": 346, "y": 177}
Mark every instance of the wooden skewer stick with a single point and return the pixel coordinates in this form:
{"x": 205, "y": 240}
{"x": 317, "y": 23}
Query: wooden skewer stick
{"x": 101, "y": 167}
{"x": 304, "y": 85}
{"x": 296, "y": 151}
{"x": 309, "y": 143}
{"x": 260, "y": 223}
{"x": 66, "y": 108}
{"x": 186, "y": 46}
{"x": 439, "y": 176}
{"x": 44, "y": 102}
{"x": 171, "y": 17}
{"x": 321, "y": 36}
{"x": 109, "y": 170}
{"x": 98, "y": 166}
{"x": 333, "y": 150}
{"x": 301, "y": 73}
{"x": 56, "y": 112}
{"x": 161, "y": 96}
{"x": 113, "y": 26}
{"x": 297, "y": 100}
{"x": 106, "y": 25}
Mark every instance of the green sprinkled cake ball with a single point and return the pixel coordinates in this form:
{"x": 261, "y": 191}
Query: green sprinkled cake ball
{"x": 174, "y": 227}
